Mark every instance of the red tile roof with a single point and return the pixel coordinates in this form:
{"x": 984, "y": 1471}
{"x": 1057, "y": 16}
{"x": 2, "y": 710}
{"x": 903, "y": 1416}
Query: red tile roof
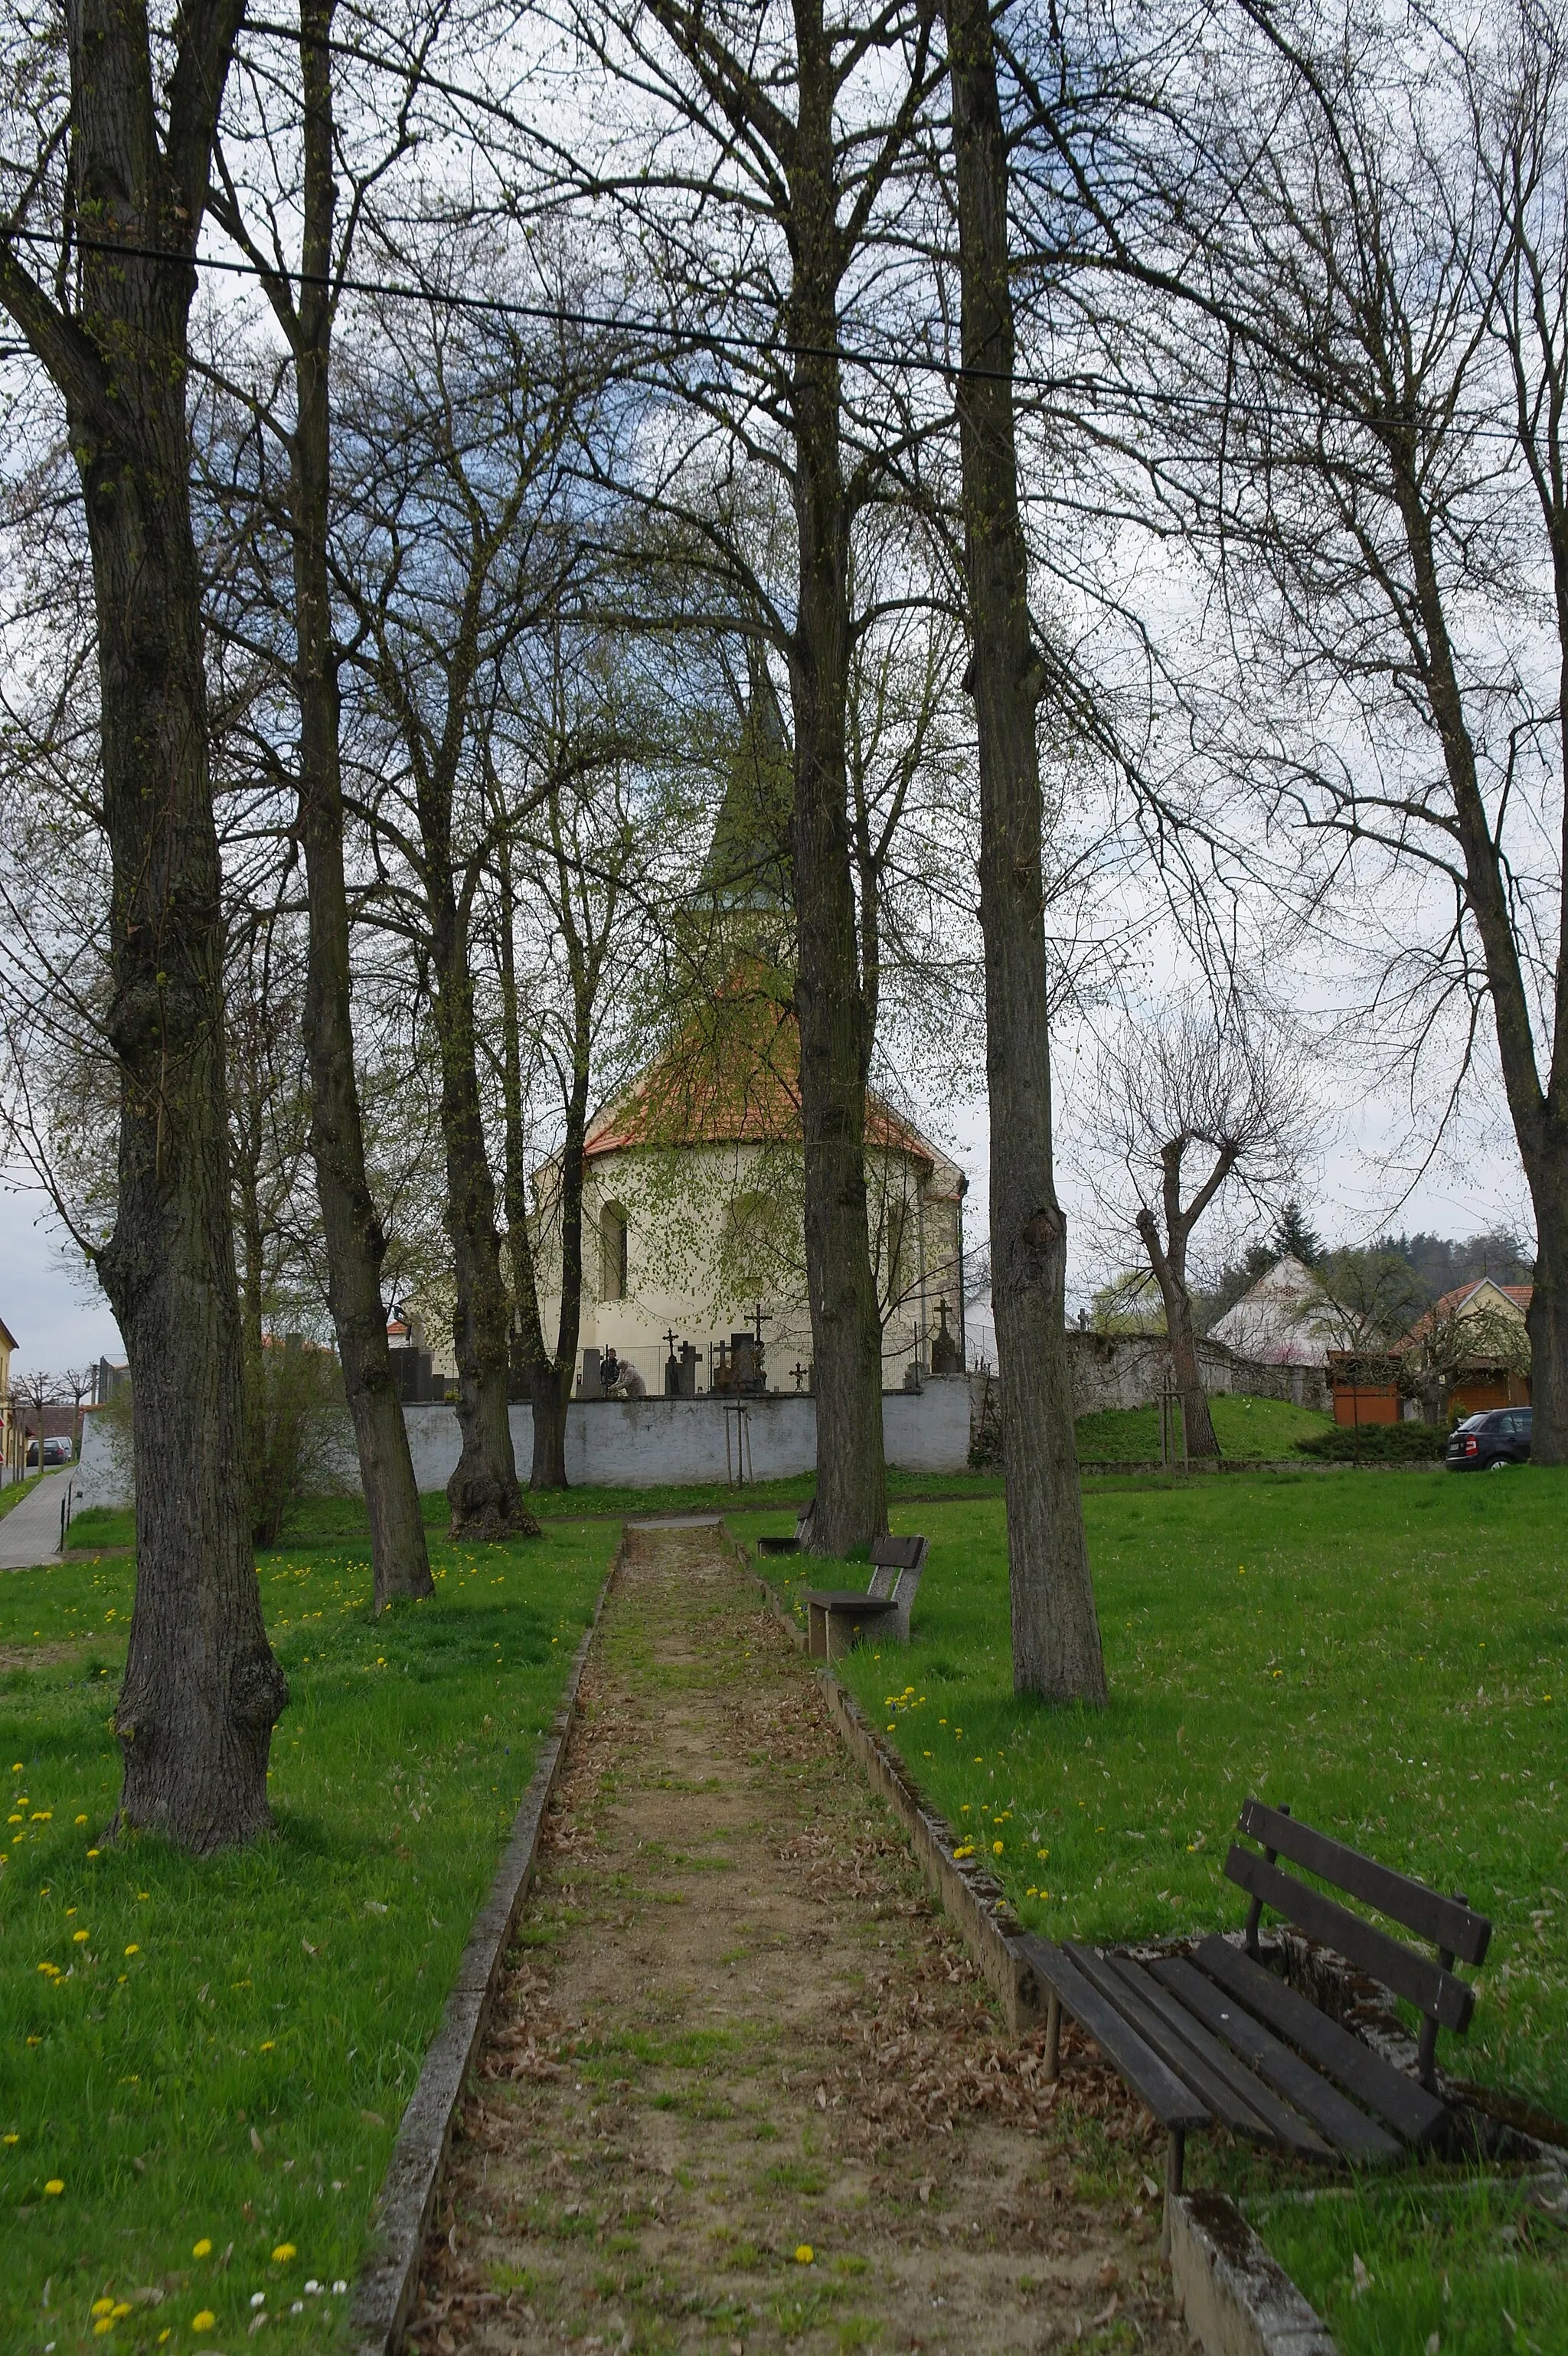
{"x": 737, "y": 1082}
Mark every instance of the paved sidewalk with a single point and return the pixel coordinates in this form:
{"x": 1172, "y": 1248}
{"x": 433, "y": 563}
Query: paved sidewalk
{"x": 743, "y": 2090}
{"x": 30, "y": 1532}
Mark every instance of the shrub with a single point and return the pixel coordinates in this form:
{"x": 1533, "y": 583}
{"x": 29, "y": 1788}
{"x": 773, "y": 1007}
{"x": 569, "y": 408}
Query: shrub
{"x": 296, "y": 1432}
{"x": 1378, "y": 1443}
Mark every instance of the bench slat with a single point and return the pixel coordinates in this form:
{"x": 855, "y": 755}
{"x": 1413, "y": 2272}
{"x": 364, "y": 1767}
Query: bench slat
{"x": 1422, "y": 1982}
{"x": 1227, "y": 2085}
{"x": 1358, "y": 2137}
{"x": 1400, "y": 2102}
{"x": 1159, "y": 2090}
{"x": 1447, "y": 1921}
{"x": 900, "y": 1554}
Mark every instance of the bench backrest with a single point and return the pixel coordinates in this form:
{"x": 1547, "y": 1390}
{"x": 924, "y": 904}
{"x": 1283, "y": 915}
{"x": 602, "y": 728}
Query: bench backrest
{"x": 900, "y": 1554}
{"x": 1454, "y": 1927}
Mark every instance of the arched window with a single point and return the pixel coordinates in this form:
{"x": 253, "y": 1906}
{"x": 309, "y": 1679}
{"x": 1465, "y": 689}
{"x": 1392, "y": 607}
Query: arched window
{"x": 612, "y": 1253}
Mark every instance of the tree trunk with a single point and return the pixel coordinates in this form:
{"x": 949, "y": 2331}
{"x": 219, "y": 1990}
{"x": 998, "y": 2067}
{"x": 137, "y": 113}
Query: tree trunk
{"x": 835, "y": 1039}
{"x": 202, "y": 1690}
{"x": 1548, "y": 1319}
{"x": 549, "y": 1391}
{"x": 1186, "y": 1373}
{"x": 1168, "y": 1261}
{"x": 1055, "y": 1630}
{"x": 356, "y": 1245}
{"x": 483, "y": 1492}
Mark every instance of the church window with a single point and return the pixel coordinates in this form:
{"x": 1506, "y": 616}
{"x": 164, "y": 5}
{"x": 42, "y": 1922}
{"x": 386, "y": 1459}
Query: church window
{"x": 612, "y": 1234}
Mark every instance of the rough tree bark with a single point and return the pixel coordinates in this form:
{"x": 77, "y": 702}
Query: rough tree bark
{"x": 355, "y": 1243}
{"x": 202, "y": 1690}
{"x": 483, "y": 1492}
{"x": 835, "y": 1030}
{"x": 1168, "y": 1258}
{"x": 547, "y": 1378}
{"x": 1056, "y": 1634}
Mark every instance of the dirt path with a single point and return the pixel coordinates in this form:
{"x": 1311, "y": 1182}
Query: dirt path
{"x": 742, "y": 2092}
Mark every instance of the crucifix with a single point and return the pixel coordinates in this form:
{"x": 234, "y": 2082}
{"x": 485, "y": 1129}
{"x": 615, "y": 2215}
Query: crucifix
{"x": 798, "y": 1371}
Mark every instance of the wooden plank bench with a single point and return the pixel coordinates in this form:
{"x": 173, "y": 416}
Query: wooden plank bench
{"x": 1241, "y": 2048}
{"x": 838, "y": 1617}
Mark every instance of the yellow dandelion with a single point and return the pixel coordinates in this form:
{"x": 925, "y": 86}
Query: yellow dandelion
{"x": 204, "y": 2321}
{"x": 82, "y": 1820}
{"x": 202, "y": 2249}
{"x": 54, "y": 2186}
{"x": 283, "y": 2253}
{"x": 267, "y": 2045}
{"x": 105, "y": 2323}
{"x": 804, "y": 2255}
{"x": 133, "y": 1949}
{"x": 102, "y": 2307}
{"x": 78, "y": 1937}
{"x": 10, "y": 2138}
{"x": 995, "y": 1848}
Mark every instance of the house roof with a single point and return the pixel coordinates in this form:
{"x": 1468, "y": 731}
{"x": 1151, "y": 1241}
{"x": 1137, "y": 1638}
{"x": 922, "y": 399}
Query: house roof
{"x": 7, "y": 1339}
{"x": 738, "y": 1082}
{"x": 1516, "y": 1297}
{"x": 1280, "y": 1321}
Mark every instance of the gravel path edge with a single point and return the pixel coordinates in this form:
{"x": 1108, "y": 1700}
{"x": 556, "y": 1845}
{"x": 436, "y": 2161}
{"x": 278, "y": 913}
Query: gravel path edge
{"x": 388, "y": 2277}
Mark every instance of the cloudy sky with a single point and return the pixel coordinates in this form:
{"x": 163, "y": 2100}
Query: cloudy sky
{"x": 60, "y": 1319}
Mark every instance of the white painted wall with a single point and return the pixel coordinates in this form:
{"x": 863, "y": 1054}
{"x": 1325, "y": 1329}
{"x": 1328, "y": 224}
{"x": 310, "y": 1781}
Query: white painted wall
{"x": 644, "y": 1443}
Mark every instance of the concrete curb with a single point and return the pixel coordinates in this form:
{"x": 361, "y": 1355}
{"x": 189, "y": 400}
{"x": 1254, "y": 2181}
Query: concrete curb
{"x": 1236, "y": 2298}
{"x": 389, "y": 2275}
{"x": 969, "y": 1895}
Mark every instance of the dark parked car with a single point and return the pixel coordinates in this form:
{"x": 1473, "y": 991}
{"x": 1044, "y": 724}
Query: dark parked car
{"x": 1487, "y": 1444}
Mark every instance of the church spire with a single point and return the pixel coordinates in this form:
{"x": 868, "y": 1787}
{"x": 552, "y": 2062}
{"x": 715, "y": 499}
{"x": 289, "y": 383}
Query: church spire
{"x": 748, "y": 862}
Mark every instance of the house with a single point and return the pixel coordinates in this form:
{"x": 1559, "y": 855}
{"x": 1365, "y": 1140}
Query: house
{"x": 1471, "y": 1350}
{"x": 1283, "y": 1320}
{"x": 8, "y": 1436}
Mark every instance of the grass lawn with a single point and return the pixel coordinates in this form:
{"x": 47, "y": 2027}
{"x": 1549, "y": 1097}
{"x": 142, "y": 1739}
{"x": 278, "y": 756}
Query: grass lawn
{"x": 332, "y": 1521}
{"x": 1247, "y": 1429}
{"x": 1387, "y": 1653}
{"x": 202, "y": 2066}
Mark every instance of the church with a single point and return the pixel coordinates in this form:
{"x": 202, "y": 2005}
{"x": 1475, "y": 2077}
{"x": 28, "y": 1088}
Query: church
{"x": 693, "y": 1224}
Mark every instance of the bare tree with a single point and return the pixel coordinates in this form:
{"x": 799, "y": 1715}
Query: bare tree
{"x": 1055, "y": 1629}
{"x": 77, "y": 1383}
{"x": 1357, "y": 353}
{"x": 754, "y": 169}
{"x": 1194, "y": 1101}
{"x": 353, "y": 1237}
{"x": 114, "y": 172}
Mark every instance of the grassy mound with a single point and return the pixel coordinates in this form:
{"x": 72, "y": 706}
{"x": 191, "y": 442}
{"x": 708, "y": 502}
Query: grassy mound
{"x": 1246, "y": 1429}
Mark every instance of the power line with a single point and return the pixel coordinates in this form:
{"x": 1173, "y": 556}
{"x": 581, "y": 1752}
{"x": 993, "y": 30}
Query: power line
{"x": 675, "y": 340}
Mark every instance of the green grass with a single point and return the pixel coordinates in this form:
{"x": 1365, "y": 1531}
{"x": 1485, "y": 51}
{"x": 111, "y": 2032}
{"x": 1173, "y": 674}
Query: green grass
{"x": 14, "y": 1490}
{"x": 1477, "y": 2264}
{"x": 1244, "y": 1427}
{"x": 1389, "y": 1656}
{"x": 224, "y": 2056}
{"x": 333, "y": 1521}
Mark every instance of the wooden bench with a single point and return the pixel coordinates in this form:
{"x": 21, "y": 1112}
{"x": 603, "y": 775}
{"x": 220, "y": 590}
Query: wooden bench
{"x": 1217, "y": 2037}
{"x": 838, "y": 1617}
{"x": 798, "y": 1543}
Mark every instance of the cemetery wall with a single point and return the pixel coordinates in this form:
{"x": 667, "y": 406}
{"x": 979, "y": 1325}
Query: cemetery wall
{"x": 1131, "y": 1369}
{"x": 644, "y": 1443}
